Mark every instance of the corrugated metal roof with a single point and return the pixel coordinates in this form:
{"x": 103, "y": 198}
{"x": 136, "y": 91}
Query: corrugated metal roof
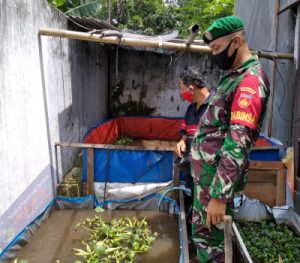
{"x": 85, "y": 24}
{"x": 89, "y": 24}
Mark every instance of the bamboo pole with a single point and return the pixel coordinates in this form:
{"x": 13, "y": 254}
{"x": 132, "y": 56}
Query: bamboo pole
{"x": 148, "y": 43}
{"x": 123, "y": 41}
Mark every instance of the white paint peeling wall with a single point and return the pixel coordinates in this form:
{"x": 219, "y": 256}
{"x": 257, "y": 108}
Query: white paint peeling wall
{"x": 154, "y": 79}
{"x": 75, "y": 93}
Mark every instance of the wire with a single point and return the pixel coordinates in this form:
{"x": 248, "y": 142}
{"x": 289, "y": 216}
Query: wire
{"x": 283, "y": 98}
{"x": 186, "y": 190}
{"x": 73, "y": 21}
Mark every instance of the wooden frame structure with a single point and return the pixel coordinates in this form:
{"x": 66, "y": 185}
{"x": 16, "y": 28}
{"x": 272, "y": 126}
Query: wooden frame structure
{"x": 90, "y": 159}
{"x": 266, "y": 182}
{"x": 90, "y": 176}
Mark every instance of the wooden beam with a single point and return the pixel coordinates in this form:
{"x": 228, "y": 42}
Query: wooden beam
{"x": 90, "y": 171}
{"x": 289, "y": 6}
{"x": 115, "y": 147}
{"x": 228, "y": 239}
{"x": 272, "y": 88}
{"x": 280, "y": 191}
{"x": 266, "y": 165}
{"x": 175, "y": 195}
{"x": 184, "y": 228}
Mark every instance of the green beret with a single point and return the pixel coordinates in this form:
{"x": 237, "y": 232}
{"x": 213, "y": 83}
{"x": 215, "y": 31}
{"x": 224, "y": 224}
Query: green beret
{"x": 222, "y": 27}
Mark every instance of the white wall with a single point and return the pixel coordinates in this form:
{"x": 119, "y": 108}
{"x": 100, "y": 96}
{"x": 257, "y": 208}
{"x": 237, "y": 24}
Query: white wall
{"x": 36, "y": 112}
{"x": 154, "y": 79}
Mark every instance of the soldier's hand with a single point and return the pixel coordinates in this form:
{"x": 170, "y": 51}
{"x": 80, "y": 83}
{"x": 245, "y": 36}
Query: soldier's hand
{"x": 216, "y": 210}
{"x": 180, "y": 147}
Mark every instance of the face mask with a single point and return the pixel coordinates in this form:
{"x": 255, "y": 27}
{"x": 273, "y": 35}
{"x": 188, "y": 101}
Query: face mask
{"x": 223, "y": 60}
{"x": 187, "y": 96}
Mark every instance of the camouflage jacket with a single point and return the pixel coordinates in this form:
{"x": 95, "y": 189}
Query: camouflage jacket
{"x": 227, "y": 131}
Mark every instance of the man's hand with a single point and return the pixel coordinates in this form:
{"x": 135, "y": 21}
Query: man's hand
{"x": 216, "y": 210}
{"x": 180, "y": 147}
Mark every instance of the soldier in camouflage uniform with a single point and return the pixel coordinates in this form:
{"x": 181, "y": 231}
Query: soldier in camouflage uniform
{"x": 225, "y": 135}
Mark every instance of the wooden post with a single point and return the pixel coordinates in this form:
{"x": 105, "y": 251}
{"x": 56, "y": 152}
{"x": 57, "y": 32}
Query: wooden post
{"x": 90, "y": 171}
{"x": 270, "y": 110}
{"x": 175, "y": 195}
{"x": 228, "y": 239}
{"x": 280, "y": 187}
{"x": 184, "y": 229}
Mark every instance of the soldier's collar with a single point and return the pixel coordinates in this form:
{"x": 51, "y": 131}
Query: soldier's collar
{"x": 249, "y": 63}
{"x": 211, "y": 93}
{"x": 246, "y": 65}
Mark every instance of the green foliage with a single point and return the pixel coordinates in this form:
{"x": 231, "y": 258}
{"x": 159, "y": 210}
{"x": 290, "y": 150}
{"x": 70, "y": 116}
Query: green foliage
{"x": 118, "y": 240}
{"x": 265, "y": 241}
{"x": 150, "y": 17}
{"x": 123, "y": 140}
{"x": 20, "y": 261}
{"x": 131, "y": 108}
{"x": 82, "y": 8}
{"x": 203, "y": 12}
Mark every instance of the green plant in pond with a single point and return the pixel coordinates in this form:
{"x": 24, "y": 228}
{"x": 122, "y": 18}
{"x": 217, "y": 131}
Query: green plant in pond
{"x": 20, "y": 261}
{"x": 266, "y": 241}
{"x": 116, "y": 241}
{"x": 123, "y": 140}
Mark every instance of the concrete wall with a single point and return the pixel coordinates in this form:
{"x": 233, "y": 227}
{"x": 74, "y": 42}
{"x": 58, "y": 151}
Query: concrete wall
{"x": 153, "y": 79}
{"x": 259, "y": 17}
{"x": 51, "y": 90}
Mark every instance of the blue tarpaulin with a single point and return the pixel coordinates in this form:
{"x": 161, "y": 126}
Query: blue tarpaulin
{"x": 122, "y": 166}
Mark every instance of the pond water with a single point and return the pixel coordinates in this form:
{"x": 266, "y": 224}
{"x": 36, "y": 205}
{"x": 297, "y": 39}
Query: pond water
{"x": 56, "y": 237}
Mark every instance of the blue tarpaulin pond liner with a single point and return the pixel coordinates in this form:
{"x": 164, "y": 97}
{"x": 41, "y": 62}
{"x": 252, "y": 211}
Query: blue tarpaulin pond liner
{"x": 147, "y": 203}
{"x": 271, "y": 150}
{"x": 114, "y": 166}
{"x": 132, "y": 166}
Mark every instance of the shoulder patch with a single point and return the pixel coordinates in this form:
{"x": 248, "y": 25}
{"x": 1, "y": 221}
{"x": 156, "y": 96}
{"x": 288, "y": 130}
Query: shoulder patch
{"x": 248, "y": 89}
{"x": 244, "y": 100}
{"x": 246, "y": 105}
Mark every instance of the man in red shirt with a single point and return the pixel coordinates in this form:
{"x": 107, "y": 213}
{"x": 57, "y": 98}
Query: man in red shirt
{"x": 193, "y": 90}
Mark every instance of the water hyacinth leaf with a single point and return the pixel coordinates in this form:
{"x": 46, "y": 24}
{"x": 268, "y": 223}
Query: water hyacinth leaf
{"x": 20, "y": 261}
{"x": 99, "y": 209}
{"x": 118, "y": 240}
{"x": 266, "y": 241}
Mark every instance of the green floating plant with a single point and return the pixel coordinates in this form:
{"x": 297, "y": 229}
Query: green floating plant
{"x": 116, "y": 241}
{"x": 123, "y": 140}
{"x": 266, "y": 242}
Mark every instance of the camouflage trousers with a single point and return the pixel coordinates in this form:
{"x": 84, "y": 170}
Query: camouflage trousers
{"x": 209, "y": 242}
